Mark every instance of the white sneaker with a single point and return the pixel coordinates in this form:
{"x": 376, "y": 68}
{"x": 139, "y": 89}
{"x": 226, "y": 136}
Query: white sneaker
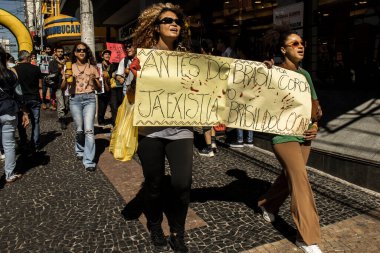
{"x": 249, "y": 144}
{"x": 206, "y": 152}
{"x": 314, "y": 248}
{"x": 236, "y": 144}
{"x": 2, "y": 157}
{"x": 267, "y": 216}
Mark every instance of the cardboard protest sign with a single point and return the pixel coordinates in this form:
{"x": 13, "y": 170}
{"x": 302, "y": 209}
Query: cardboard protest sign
{"x": 117, "y": 50}
{"x": 184, "y": 89}
{"x": 43, "y": 62}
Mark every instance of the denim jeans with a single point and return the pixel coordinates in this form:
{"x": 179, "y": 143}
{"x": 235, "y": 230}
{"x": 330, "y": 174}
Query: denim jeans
{"x": 82, "y": 107}
{"x": 34, "y": 107}
{"x": 60, "y": 99}
{"x": 240, "y": 135}
{"x": 8, "y": 125}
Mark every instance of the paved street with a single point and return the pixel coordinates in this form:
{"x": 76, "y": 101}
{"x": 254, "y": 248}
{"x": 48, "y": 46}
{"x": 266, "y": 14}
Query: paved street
{"x": 59, "y": 207}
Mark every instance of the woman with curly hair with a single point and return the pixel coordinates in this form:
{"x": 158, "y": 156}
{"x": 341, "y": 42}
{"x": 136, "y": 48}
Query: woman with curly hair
{"x": 83, "y": 102}
{"x": 161, "y": 26}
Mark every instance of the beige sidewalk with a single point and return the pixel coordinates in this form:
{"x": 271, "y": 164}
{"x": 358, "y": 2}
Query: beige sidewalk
{"x": 360, "y": 234}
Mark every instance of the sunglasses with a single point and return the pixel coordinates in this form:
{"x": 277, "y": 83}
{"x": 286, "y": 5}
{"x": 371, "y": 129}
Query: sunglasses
{"x": 296, "y": 44}
{"x": 168, "y": 20}
{"x": 81, "y": 50}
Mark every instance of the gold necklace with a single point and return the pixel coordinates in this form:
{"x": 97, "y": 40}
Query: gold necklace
{"x": 81, "y": 72}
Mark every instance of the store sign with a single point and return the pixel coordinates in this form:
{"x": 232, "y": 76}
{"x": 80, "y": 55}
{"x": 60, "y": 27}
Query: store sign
{"x": 62, "y": 26}
{"x": 289, "y": 15}
{"x": 63, "y": 29}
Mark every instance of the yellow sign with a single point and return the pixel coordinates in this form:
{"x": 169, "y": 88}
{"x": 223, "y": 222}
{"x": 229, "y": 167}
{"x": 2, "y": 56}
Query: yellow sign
{"x": 62, "y": 26}
{"x": 184, "y": 89}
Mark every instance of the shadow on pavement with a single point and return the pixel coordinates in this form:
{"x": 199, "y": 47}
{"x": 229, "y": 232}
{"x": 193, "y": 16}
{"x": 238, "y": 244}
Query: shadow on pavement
{"x": 134, "y": 208}
{"x": 47, "y": 137}
{"x": 244, "y": 189}
{"x": 101, "y": 144}
{"x": 285, "y": 229}
{"x": 28, "y": 161}
{"x": 2, "y": 182}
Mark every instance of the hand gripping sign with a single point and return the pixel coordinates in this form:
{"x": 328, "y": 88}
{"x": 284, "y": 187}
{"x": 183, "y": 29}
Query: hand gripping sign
{"x": 184, "y": 89}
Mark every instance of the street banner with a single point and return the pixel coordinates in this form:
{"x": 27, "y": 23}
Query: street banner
{"x": 117, "y": 50}
{"x": 185, "y": 89}
{"x": 43, "y": 62}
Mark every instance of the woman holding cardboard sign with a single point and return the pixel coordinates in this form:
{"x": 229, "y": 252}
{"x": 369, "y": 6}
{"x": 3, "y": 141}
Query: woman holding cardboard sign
{"x": 161, "y": 26}
{"x": 292, "y": 153}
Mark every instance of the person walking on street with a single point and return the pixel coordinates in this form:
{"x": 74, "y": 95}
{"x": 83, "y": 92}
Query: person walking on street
{"x": 208, "y": 132}
{"x": 10, "y": 65}
{"x": 104, "y": 98}
{"x": 30, "y": 79}
{"x": 161, "y": 26}
{"x": 82, "y": 88}
{"x": 55, "y": 73}
{"x": 123, "y": 73}
{"x": 292, "y": 153}
{"x": 47, "y": 103}
{"x": 116, "y": 91}
{"x": 9, "y": 109}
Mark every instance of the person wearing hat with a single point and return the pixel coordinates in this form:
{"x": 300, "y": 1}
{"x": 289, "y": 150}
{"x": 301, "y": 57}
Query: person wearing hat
{"x": 123, "y": 73}
{"x": 104, "y": 96}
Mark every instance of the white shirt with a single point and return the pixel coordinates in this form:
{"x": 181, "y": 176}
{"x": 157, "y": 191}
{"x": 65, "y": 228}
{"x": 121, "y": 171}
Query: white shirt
{"x": 121, "y": 72}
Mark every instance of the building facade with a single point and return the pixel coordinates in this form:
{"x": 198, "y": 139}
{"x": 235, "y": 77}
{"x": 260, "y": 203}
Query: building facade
{"x": 343, "y": 36}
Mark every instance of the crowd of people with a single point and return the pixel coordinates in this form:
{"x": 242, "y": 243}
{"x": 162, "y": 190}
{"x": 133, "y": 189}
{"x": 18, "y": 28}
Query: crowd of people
{"x": 44, "y": 86}
{"x": 77, "y": 83}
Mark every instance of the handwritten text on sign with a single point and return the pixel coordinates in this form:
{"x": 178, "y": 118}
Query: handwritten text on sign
{"x": 184, "y": 89}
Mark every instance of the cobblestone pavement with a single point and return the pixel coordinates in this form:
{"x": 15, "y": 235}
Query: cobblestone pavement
{"x": 59, "y": 207}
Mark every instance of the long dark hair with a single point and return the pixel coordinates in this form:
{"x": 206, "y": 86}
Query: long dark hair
{"x": 89, "y": 56}
{"x": 4, "y": 71}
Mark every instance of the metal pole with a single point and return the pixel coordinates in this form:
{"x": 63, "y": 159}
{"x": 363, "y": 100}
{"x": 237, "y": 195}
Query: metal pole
{"x": 35, "y": 21}
{"x": 41, "y": 26}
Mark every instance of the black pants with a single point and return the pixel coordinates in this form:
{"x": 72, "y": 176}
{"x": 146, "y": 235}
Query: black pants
{"x": 103, "y": 100}
{"x": 152, "y": 152}
{"x": 117, "y": 97}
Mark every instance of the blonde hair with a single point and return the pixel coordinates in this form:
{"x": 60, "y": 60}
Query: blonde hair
{"x": 146, "y": 35}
